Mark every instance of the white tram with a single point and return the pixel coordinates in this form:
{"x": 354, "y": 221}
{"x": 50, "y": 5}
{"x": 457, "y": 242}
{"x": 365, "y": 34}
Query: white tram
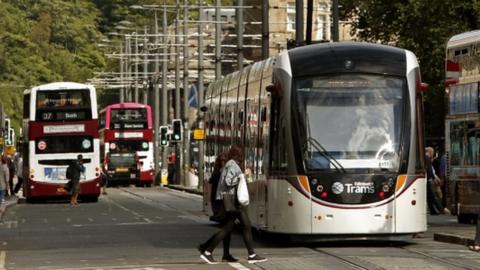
{"x": 333, "y": 134}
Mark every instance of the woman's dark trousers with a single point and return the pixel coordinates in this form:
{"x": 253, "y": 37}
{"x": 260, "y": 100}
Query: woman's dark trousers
{"x": 228, "y": 227}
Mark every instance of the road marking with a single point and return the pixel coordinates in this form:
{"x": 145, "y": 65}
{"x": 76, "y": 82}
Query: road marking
{"x": 116, "y": 224}
{"x": 2, "y": 260}
{"x": 238, "y": 266}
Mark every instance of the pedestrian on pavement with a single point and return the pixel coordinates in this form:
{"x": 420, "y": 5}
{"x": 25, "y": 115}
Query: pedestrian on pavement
{"x": 4, "y": 175}
{"x": 442, "y": 174}
{"x": 229, "y": 179}
{"x": 11, "y": 171}
{"x": 19, "y": 169}
{"x": 76, "y": 169}
{"x": 172, "y": 160}
{"x": 476, "y": 245}
{"x": 434, "y": 204}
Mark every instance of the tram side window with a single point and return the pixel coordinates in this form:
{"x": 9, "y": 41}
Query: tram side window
{"x": 279, "y": 160}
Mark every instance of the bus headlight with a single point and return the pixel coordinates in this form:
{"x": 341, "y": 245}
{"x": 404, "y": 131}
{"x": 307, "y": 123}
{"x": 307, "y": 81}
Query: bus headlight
{"x": 86, "y": 143}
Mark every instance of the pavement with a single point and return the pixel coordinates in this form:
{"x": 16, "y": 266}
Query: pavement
{"x": 9, "y": 202}
{"x": 443, "y": 228}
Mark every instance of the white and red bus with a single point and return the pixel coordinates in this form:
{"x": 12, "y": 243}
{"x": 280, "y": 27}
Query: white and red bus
{"x": 126, "y": 135}
{"x": 59, "y": 123}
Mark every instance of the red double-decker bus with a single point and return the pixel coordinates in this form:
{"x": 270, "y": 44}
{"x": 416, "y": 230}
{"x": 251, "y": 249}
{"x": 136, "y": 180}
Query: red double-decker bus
{"x": 60, "y": 122}
{"x": 126, "y": 143}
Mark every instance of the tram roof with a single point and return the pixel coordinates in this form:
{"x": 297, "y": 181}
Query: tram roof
{"x": 331, "y": 58}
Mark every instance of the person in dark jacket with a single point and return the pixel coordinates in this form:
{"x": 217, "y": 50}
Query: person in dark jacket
{"x": 434, "y": 203}
{"x": 76, "y": 170}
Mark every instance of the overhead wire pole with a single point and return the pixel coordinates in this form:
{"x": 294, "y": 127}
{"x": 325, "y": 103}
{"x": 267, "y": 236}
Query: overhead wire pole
{"x": 164, "y": 82}
{"x": 178, "y": 153}
{"x": 265, "y": 30}
{"x": 122, "y": 90}
{"x": 201, "y": 145}
{"x": 218, "y": 48}
{"x": 239, "y": 17}
{"x": 127, "y": 68}
{"x": 299, "y": 38}
{"x": 309, "y": 22}
{"x": 136, "y": 68}
{"x": 335, "y": 13}
{"x": 145, "y": 68}
{"x": 186, "y": 137}
{"x": 156, "y": 102}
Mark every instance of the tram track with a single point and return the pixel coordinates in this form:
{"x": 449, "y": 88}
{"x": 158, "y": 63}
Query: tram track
{"x": 438, "y": 259}
{"x": 361, "y": 263}
{"x": 344, "y": 260}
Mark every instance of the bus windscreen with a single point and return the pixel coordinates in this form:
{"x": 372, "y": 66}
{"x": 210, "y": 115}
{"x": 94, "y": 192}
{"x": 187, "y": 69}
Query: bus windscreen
{"x": 63, "y": 105}
{"x": 129, "y": 118}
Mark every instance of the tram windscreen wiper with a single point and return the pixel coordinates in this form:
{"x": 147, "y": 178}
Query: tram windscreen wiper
{"x": 322, "y": 151}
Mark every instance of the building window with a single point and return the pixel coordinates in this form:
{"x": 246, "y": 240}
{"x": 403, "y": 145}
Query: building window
{"x": 291, "y": 16}
{"x": 323, "y": 7}
{"x": 322, "y": 27}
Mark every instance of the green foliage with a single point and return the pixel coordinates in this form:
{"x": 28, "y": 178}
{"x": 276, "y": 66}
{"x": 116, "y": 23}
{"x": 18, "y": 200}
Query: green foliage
{"x": 42, "y": 41}
{"x": 422, "y": 26}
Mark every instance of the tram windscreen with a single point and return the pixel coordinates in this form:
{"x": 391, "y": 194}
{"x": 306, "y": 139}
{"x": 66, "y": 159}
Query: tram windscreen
{"x": 356, "y": 118}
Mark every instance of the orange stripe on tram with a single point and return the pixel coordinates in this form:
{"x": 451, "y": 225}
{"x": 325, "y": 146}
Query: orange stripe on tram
{"x": 400, "y": 182}
{"x": 304, "y": 182}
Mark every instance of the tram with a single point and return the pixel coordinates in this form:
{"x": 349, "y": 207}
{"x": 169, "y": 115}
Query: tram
{"x": 333, "y": 136}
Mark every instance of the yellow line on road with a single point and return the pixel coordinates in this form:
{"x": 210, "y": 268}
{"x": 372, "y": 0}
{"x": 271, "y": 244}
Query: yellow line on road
{"x": 2, "y": 260}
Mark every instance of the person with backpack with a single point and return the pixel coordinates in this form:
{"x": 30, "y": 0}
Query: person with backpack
{"x": 230, "y": 179}
{"x": 74, "y": 172}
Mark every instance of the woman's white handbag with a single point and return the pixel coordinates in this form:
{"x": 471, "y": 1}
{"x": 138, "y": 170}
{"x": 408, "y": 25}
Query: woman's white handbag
{"x": 242, "y": 191}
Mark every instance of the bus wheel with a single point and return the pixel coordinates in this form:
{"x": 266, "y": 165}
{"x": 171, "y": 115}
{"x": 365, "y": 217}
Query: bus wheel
{"x": 149, "y": 184}
{"x": 91, "y": 199}
{"x": 31, "y": 200}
